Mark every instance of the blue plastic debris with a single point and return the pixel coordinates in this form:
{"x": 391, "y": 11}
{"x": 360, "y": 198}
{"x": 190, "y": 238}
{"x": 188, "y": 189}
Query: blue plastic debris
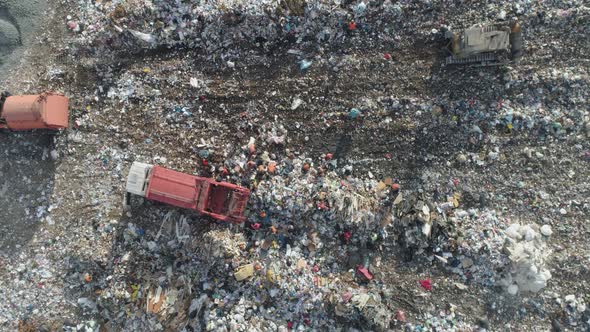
{"x": 304, "y": 64}
{"x": 204, "y": 154}
{"x": 360, "y": 8}
{"x": 354, "y": 113}
{"x": 182, "y": 110}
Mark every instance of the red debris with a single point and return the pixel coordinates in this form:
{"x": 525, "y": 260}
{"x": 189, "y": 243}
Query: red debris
{"x": 456, "y": 182}
{"x": 346, "y": 297}
{"x": 426, "y": 284}
{"x": 388, "y": 155}
{"x": 400, "y": 315}
{"x": 316, "y": 281}
{"x": 395, "y": 186}
{"x": 289, "y": 325}
{"x": 365, "y": 272}
{"x": 72, "y": 25}
{"x": 329, "y": 156}
{"x": 387, "y": 56}
{"x": 204, "y": 162}
{"x": 315, "y": 268}
{"x": 272, "y": 166}
{"x": 255, "y": 226}
{"x": 351, "y": 26}
{"x": 347, "y": 235}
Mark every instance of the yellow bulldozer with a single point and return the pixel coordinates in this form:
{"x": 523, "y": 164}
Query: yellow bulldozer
{"x": 485, "y": 45}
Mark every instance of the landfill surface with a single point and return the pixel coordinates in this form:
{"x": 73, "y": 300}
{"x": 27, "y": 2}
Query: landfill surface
{"x": 388, "y": 192}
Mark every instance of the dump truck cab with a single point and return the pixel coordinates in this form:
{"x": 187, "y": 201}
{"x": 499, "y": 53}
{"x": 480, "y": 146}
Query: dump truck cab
{"x": 45, "y": 111}
{"x": 220, "y": 200}
{"x": 492, "y": 44}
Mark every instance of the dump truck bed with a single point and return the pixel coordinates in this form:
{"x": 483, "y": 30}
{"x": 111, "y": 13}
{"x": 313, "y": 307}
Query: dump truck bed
{"x": 172, "y": 187}
{"x": 35, "y": 112}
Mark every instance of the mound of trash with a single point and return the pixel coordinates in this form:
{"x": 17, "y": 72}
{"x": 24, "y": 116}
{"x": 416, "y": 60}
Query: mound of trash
{"x": 528, "y": 253}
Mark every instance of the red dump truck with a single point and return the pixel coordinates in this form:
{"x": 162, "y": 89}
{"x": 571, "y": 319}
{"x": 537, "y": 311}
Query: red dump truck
{"x": 45, "y": 111}
{"x": 220, "y": 200}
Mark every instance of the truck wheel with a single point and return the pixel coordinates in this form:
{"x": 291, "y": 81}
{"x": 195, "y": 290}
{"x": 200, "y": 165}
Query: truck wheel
{"x": 3, "y": 97}
{"x": 127, "y": 201}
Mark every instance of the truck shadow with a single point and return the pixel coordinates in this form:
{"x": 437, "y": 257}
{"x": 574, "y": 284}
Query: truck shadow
{"x": 26, "y": 184}
{"x": 154, "y": 246}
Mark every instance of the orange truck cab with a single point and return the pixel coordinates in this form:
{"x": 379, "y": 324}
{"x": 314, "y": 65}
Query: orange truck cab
{"x": 220, "y": 200}
{"x": 46, "y": 111}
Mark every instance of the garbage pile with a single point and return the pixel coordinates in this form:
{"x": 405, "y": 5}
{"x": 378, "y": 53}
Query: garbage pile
{"x": 526, "y": 113}
{"x": 575, "y": 310}
{"x": 219, "y": 28}
{"x": 312, "y": 236}
{"x": 418, "y": 223}
{"x": 528, "y": 254}
{"x": 374, "y": 170}
{"x": 492, "y": 253}
{"x": 365, "y": 307}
